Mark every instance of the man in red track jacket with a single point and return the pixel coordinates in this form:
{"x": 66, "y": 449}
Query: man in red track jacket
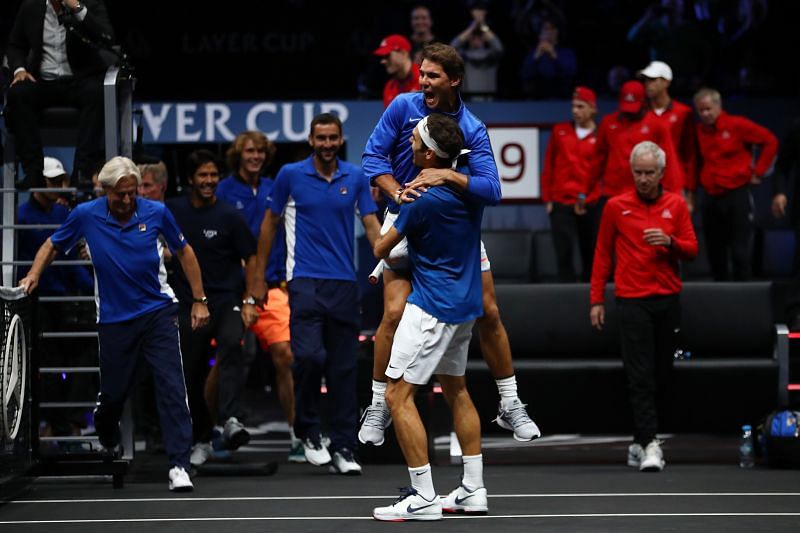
{"x": 678, "y": 116}
{"x": 571, "y": 152}
{"x": 726, "y": 172}
{"x": 647, "y": 230}
{"x": 622, "y": 130}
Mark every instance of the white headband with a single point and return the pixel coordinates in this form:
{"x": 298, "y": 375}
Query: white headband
{"x": 425, "y": 136}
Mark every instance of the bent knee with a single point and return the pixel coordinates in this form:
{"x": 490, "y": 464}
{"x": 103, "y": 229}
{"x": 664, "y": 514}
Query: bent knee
{"x": 282, "y": 356}
{"x": 491, "y": 315}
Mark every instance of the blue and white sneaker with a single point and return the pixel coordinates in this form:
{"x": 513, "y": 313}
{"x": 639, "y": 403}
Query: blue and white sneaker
{"x": 463, "y": 500}
{"x": 410, "y": 506}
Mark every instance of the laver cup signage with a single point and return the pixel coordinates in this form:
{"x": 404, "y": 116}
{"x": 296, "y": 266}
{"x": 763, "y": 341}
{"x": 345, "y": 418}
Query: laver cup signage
{"x": 12, "y": 378}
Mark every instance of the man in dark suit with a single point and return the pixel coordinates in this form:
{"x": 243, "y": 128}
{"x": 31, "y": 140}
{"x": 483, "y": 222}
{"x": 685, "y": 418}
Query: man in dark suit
{"x": 54, "y": 56}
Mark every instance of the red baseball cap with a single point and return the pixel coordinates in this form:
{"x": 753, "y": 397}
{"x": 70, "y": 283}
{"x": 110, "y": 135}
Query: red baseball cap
{"x": 585, "y": 94}
{"x": 631, "y": 97}
{"x": 391, "y": 43}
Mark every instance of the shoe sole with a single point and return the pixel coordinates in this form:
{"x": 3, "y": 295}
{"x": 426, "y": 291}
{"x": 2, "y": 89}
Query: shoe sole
{"x": 298, "y": 460}
{"x": 370, "y": 443}
{"x": 509, "y": 427}
{"x": 651, "y": 467}
{"x": 187, "y": 488}
{"x": 466, "y": 510}
{"x": 393, "y": 518}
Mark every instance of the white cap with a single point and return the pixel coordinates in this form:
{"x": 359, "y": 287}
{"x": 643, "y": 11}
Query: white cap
{"x": 657, "y": 69}
{"x": 53, "y": 168}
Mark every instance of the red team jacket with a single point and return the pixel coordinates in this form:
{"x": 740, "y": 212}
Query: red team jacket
{"x": 568, "y": 162}
{"x": 394, "y": 87}
{"x": 616, "y": 138}
{"x": 641, "y": 269}
{"x": 679, "y": 118}
{"x": 726, "y": 156}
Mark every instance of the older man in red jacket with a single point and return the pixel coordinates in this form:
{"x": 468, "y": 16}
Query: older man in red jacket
{"x": 726, "y": 171}
{"x": 647, "y": 231}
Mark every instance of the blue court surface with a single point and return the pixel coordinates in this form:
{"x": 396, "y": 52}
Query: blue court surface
{"x": 561, "y": 483}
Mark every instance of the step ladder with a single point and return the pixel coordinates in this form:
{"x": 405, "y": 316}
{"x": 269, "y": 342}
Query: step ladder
{"x": 118, "y": 88}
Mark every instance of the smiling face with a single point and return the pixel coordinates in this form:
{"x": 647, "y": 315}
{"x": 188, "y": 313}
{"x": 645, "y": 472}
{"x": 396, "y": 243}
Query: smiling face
{"x": 252, "y": 159}
{"x": 122, "y": 198}
{"x": 204, "y": 182}
{"x": 439, "y": 90}
{"x": 325, "y": 140}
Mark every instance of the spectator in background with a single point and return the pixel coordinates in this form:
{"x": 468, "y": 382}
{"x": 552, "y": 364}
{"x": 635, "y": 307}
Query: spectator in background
{"x": 548, "y": 70}
{"x": 644, "y": 232}
{"x": 154, "y": 181}
{"x": 481, "y": 50}
{"x": 395, "y": 54}
{"x": 670, "y": 32}
{"x": 67, "y": 280}
{"x": 726, "y": 172}
{"x": 421, "y": 31}
{"x": 570, "y": 156}
{"x": 619, "y": 132}
{"x": 54, "y": 60}
{"x": 679, "y": 117}
{"x": 248, "y": 190}
{"x": 785, "y": 181}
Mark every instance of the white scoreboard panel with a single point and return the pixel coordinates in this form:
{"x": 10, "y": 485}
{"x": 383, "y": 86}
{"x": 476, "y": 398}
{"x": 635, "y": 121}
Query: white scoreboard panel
{"x": 516, "y": 152}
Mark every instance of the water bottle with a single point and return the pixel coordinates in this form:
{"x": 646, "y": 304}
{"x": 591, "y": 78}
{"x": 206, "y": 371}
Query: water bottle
{"x": 746, "y": 452}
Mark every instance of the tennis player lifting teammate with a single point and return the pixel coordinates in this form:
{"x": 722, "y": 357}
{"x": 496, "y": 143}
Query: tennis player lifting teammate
{"x": 388, "y": 162}
{"x": 443, "y": 229}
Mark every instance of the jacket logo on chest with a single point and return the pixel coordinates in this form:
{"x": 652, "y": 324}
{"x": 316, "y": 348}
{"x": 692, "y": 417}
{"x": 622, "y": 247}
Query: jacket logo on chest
{"x": 209, "y": 233}
{"x": 673, "y": 118}
{"x": 142, "y": 227}
{"x": 626, "y": 212}
{"x": 726, "y": 134}
{"x": 666, "y": 214}
{"x": 239, "y": 204}
{"x": 342, "y": 190}
{"x": 645, "y": 129}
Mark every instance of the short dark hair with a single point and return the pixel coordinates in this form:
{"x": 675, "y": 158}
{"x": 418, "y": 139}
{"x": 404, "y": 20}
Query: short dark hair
{"x": 446, "y": 56}
{"x": 325, "y": 118}
{"x": 447, "y": 134}
{"x": 198, "y": 158}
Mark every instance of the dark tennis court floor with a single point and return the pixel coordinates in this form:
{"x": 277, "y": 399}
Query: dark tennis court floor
{"x": 564, "y": 483}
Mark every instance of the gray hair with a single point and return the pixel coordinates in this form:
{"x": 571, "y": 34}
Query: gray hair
{"x": 649, "y": 148}
{"x": 708, "y": 92}
{"x": 115, "y": 169}
{"x": 158, "y": 170}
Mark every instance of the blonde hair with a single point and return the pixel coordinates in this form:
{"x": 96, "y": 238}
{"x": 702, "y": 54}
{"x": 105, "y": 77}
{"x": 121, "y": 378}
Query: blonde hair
{"x": 115, "y": 169}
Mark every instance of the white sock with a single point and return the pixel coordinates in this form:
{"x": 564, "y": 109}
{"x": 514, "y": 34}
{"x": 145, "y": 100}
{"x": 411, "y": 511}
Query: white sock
{"x": 473, "y": 471}
{"x": 422, "y": 481}
{"x": 378, "y": 392}
{"x": 507, "y": 387}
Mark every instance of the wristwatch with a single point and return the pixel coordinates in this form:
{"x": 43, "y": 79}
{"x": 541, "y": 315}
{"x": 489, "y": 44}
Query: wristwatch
{"x": 249, "y": 301}
{"x": 202, "y": 300}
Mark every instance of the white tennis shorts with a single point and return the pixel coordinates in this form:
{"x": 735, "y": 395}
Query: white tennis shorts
{"x": 398, "y": 257}
{"x": 423, "y": 346}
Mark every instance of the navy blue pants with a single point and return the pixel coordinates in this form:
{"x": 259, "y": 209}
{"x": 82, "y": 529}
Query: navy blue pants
{"x": 153, "y": 337}
{"x": 324, "y": 327}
